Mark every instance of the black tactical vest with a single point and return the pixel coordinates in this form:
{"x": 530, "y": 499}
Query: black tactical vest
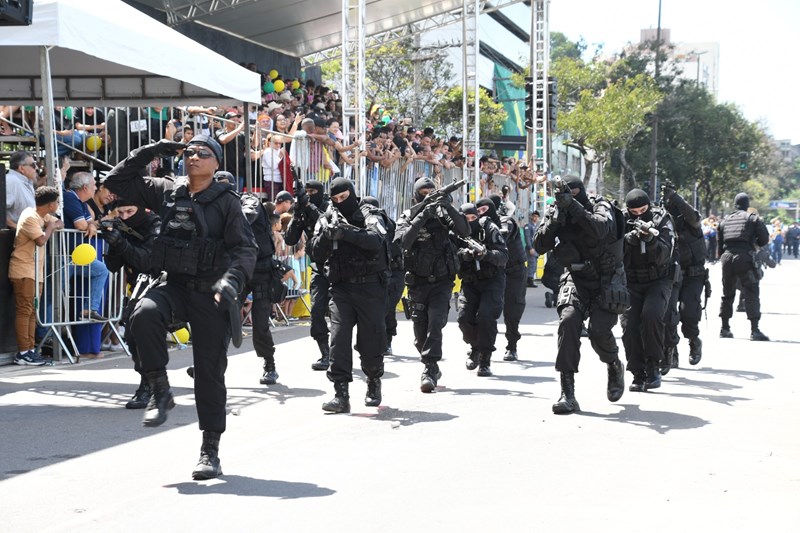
{"x": 351, "y": 263}
{"x": 469, "y": 269}
{"x": 588, "y": 258}
{"x": 637, "y": 268}
{"x": 433, "y": 255}
{"x": 738, "y": 231}
{"x": 691, "y": 244}
{"x": 516, "y": 250}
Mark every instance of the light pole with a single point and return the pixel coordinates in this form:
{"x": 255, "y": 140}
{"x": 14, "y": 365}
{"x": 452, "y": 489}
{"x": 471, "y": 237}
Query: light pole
{"x": 654, "y": 141}
{"x": 696, "y": 56}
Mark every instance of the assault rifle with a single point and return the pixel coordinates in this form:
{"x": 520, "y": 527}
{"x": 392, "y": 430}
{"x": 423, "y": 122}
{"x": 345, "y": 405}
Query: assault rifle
{"x": 643, "y": 228}
{"x": 560, "y": 186}
{"x": 478, "y": 250}
{"x": 436, "y": 196}
{"x": 337, "y": 221}
{"x": 118, "y": 223}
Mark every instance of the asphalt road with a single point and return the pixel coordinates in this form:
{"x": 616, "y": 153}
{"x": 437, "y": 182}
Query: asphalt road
{"x": 715, "y": 449}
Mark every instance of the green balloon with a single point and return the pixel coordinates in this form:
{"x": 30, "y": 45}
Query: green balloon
{"x": 269, "y": 87}
{"x": 549, "y": 200}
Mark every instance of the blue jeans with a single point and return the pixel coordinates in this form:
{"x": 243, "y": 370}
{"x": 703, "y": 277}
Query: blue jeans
{"x": 97, "y": 275}
{"x": 777, "y": 251}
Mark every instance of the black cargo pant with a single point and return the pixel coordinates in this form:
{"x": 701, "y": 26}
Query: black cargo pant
{"x": 430, "y": 306}
{"x": 578, "y": 300}
{"x": 210, "y": 339}
{"x": 394, "y": 290}
{"x": 514, "y": 303}
{"x": 320, "y": 300}
{"x": 686, "y": 307}
{"x": 261, "y": 310}
{"x": 479, "y": 306}
{"x": 360, "y": 305}
{"x": 643, "y": 323}
{"x": 739, "y": 267}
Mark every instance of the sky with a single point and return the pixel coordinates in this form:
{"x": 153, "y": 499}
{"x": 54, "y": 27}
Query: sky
{"x": 759, "y": 42}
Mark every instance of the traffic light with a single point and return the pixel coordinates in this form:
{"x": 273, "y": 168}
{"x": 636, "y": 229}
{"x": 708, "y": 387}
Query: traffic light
{"x": 552, "y": 102}
{"x": 529, "y": 103}
{"x": 743, "y": 160}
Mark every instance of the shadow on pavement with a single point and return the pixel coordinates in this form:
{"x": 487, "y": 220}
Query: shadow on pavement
{"x": 248, "y": 486}
{"x": 278, "y": 392}
{"x": 711, "y": 385}
{"x": 724, "y": 400}
{"x": 660, "y": 421}
{"x": 530, "y": 380}
{"x": 405, "y": 418}
{"x": 496, "y": 392}
{"x": 745, "y": 374}
{"x": 534, "y": 364}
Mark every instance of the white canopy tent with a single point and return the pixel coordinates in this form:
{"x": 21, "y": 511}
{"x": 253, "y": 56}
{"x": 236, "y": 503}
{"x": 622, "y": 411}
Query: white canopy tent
{"x": 108, "y": 53}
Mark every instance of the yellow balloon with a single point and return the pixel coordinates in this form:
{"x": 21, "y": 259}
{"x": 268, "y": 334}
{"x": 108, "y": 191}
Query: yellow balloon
{"x": 279, "y": 86}
{"x": 273, "y": 74}
{"x": 94, "y": 143}
{"x": 84, "y": 254}
{"x": 295, "y": 85}
{"x": 182, "y": 335}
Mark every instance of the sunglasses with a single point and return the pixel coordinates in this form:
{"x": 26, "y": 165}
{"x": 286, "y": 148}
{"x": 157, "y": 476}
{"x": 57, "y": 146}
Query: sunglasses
{"x": 202, "y": 154}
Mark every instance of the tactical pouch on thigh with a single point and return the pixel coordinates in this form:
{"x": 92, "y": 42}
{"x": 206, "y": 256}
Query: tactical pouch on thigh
{"x": 614, "y": 296}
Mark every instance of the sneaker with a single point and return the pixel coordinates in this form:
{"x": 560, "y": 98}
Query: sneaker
{"x": 29, "y": 358}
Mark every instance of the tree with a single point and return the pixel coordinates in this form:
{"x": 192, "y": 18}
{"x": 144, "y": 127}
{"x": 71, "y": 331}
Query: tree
{"x": 445, "y": 117}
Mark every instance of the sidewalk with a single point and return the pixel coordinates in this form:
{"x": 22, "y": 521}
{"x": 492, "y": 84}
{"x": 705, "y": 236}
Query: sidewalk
{"x": 715, "y": 449}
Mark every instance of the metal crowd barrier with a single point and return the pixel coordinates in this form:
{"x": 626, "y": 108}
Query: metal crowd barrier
{"x": 64, "y": 294}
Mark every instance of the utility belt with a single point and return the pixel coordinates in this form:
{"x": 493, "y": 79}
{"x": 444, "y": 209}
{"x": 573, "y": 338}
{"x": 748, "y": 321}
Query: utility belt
{"x": 369, "y": 278}
{"x": 197, "y": 285}
{"x": 694, "y": 271}
{"x": 643, "y": 275}
{"x": 412, "y": 279}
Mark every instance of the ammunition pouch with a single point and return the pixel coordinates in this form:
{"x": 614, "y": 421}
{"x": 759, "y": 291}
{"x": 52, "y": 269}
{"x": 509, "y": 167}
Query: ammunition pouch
{"x": 614, "y": 296}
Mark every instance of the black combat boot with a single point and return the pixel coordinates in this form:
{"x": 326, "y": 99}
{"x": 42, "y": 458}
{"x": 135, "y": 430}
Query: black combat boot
{"x": 567, "y": 403}
{"x": 161, "y": 400}
{"x": 652, "y": 375}
{"x": 270, "y": 376}
{"x": 637, "y": 385}
{"x": 725, "y": 332}
{"x": 666, "y": 361}
{"x": 472, "y": 359}
{"x": 208, "y": 467}
{"x": 341, "y": 401}
{"x": 388, "y": 350}
{"x": 755, "y": 333}
{"x": 373, "y": 397}
{"x": 430, "y": 377}
{"x": 616, "y": 381}
{"x": 323, "y": 362}
{"x": 141, "y": 396}
{"x": 695, "y": 350}
{"x": 484, "y": 365}
{"x": 511, "y": 354}
{"x": 675, "y": 357}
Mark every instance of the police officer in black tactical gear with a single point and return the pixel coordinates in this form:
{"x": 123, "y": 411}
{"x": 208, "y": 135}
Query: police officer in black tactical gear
{"x": 395, "y": 283}
{"x": 483, "y": 256}
{"x": 648, "y": 255}
{"x": 431, "y": 266}
{"x": 311, "y": 202}
{"x": 685, "y": 300}
{"x": 738, "y": 235}
{"x": 589, "y": 233}
{"x": 266, "y": 285}
{"x": 350, "y": 241}
{"x": 207, "y": 249}
{"x": 516, "y": 276}
{"x": 129, "y": 242}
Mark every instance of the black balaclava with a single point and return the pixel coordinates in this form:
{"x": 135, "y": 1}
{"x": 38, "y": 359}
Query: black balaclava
{"x": 422, "y": 183}
{"x": 316, "y": 199}
{"x": 742, "y": 201}
{"x": 138, "y": 218}
{"x": 371, "y": 200}
{"x": 638, "y": 198}
{"x": 491, "y": 212}
{"x": 582, "y": 197}
{"x": 350, "y": 205}
{"x": 470, "y": 209}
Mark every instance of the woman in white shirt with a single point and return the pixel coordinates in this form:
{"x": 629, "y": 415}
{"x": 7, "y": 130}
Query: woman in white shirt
{"x": 271, "y": 157}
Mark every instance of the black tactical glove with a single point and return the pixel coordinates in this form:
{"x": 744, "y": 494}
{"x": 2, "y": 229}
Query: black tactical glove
{"x": 667, "y": 191}
{"x": 576, "y": 209}
{"x": 334, "y": 233}
{"x": 632, "y": 238}
{"x": 226, "y": 290}
{"x": 563, "y": 200}
{"x": 465, "y": 254}
{"x": 167, "y": 148}
{"x": 112, "y": 236}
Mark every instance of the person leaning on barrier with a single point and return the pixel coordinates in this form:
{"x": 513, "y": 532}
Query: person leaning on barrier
{"x": 516, "y": 274}
{"x": 584, "y": 235}
{"x": 208, "y": 251}
{"x": 648, "y": 255}
{"x": 35, "y": 225}
{"x": 350, "y": 241}
{"x": 685, "y": 301}
{"x": 129, "y": 239}
{"x": 738, "y": 235}
{"x": 20, "y": 186}
{"x": 483, "y": 257}
{"x": 431, "y": 264}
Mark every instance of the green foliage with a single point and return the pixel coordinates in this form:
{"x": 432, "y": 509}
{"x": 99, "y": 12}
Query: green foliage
{"x": 445, "y": 118}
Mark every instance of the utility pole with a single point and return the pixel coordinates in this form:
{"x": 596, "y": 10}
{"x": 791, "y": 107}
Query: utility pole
{"x": 654, "y": 141}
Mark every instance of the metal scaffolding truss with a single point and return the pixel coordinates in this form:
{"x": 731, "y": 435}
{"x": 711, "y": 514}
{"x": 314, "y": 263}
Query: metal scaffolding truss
{"x": 409, "y": 30}
{"x": 470, "y": 95}
{"x": 353, "y": 63}
{"x": 183, "y": 11}
{"x": 540, "y": 62}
